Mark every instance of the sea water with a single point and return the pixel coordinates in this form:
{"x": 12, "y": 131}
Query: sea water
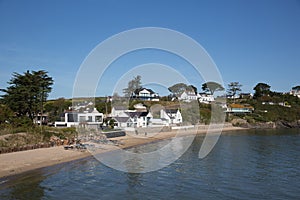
{"x": 251, "y": 164}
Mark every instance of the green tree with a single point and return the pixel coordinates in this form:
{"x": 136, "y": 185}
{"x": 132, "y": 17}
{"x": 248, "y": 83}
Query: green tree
{"x": 103, "y": 106}
{"x": 261, "y": 89}
{"x": 27, "y": 93}
{"x": 212, "y": 87}
{"x": 296, "y": 88}
{"x": 233, "y": 88}
{"x": 192, "y": 88}
{"x": 6, "y": 114}
{"x": 133, "y": 85}
{"x": 56, "y": 107}
{"x": 112, "y": 123}
{"x": 179, "y": 88}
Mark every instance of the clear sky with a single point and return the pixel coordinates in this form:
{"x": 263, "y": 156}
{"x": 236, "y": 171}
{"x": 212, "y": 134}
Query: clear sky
{"x": 250, "y": 41}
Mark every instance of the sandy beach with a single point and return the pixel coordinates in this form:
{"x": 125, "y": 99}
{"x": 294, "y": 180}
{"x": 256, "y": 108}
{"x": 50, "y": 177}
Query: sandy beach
{"x": 18, "y": 162}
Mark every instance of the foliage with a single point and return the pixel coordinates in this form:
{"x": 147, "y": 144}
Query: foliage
{"x": 261, "y": 89}
{"x": 111, "y": 123}
{"x": 133, "y": 85}
{"x": 21, "y": 136}
{"x": 296, "y": 88}
{"x": 134, "y": 102}
{"x": 234, "y": 87}
{"x": 274, "y": 111}
{"x": 103, "y": 106}
{"x": 205, "y": 113}
{"x": 6, "y": 114}
{"x": 212, "y": 87}
{"x": 56, "y": 107}
{"x": 179, "y": 88}
{"x": 190, "y": 113}
{"x": 27, "y": 93}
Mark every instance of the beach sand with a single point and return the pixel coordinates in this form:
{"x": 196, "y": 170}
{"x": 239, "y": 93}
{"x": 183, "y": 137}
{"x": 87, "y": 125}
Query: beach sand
{"x": 18, "y": 162}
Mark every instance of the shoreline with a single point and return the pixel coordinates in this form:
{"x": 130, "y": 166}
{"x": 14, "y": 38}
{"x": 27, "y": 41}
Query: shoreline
{"x": 23, "y": 161}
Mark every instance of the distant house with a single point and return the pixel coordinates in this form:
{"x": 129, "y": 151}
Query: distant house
{"x": 123, "y": 122}
{"x": 140, "y": 119}
{"x": 82, "y": 105}
{"x": 295, "y": 92}
{"x": 41, "y": 119}
{"x": 230, "y": 96}
{"x": 246, "y": 95}
{"x": 205, "y": 98}
{"x": 89, "y": 119}
{"x": 131, "y": 118}
{"x": 284, "y": 104}
{"x": 239, "y": 108}
{"x": 188, "y": 96}
{"x": 145, "y": 94}
{"x": 171, "y": 116}
{"x": 118, "y": 111}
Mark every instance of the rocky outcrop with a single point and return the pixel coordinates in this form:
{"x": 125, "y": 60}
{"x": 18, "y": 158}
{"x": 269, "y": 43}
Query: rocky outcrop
{"x": 285, "y": 124}
{"x": 265, "y": 125}
{"x": 240, "y": 123}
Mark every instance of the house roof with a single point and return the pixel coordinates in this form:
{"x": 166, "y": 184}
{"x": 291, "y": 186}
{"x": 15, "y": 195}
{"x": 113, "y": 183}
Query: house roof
{"x": 235, "y": 105}
{"x": 189, "y": 93}
{"x": 120, "y": 108}
{"x": 121, "y": 119}
{"x": 171, "y": 111}
{"x": 149, "y": 90}
{"x": 137, "y": 114}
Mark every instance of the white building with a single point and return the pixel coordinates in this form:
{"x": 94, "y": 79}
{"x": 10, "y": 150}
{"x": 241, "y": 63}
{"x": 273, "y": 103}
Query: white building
{"x": 188, "y": 96}
{"x": 171, "y": 116}
{"x": 123, "y": 122}
{"x": 131, "y": 118}
{"x": 119, "y": 111}
{"x": 145, "y": 94}
{"x": 295, "y": 92}
{"x": 205, "y": 98}
{"x": 140, "y": 119}
{"x": 88, "y": 119}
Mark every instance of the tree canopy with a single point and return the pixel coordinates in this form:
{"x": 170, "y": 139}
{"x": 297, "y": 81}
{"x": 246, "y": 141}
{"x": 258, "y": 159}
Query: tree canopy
{"x": 133, "y": 85}
{"x": 233, "y": 88}
{"x": 27, "y": 92}
{"x": 56, "y": 107}
{"x": 261, "y": 89}
{"x": 296, "y": 88}
{"x": 212, "y": 87}
{"x": 179, "y": 88}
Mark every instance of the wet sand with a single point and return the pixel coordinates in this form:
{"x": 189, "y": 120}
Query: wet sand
{"x": 18, "y": 162}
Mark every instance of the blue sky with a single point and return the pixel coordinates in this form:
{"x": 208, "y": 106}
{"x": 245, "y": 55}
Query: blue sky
{"x": 250, "y": 41}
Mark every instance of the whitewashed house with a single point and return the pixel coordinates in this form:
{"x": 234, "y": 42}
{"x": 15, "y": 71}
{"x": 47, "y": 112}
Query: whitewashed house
{"x": 140, "y": 119}
{"x": 89, "y": 119}
{"x": 82, "y": 105}
{"x": 171, "y": 116}
{"x": 188, "y": 96}
{"x": 145, "y": 94}
{"x": 131, "y": 118}
{"x": 295, "y": 92}
{"x": 205, "y": 98}
{"x": 123, "y": 122}
{"x": 239, "y": 108}
{"x": 119, "y": 111}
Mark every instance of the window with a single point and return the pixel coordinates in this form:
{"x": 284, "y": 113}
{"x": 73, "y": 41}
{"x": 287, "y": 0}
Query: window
{"x": 82, "y": 119}
{"x": 98, "y": 118}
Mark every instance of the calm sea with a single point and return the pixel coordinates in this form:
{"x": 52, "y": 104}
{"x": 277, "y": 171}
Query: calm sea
{"x": 253, "y": 164}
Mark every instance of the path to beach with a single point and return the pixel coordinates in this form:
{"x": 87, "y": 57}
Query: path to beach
{"x": 18, "y": 162}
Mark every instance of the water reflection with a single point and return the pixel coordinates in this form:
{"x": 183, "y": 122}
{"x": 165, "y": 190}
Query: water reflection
{"x": 27, "y": 186}
{"x": 243, "y": 165}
